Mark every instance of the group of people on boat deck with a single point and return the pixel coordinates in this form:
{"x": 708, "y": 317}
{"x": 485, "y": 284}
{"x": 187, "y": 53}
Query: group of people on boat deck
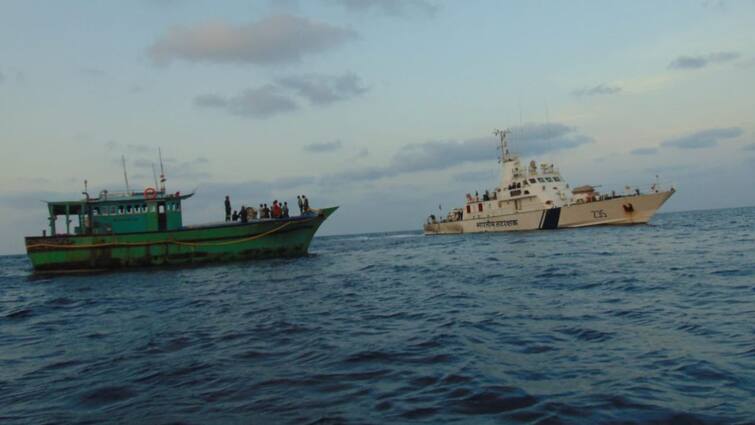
{"x": 277, "y": 210}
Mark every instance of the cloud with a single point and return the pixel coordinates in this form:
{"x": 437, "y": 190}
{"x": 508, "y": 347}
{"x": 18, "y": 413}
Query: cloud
{"x": 750, "y": 147}
{"x": 93, "y": 72}
{"x": 2, "y": 77}
{"x": 644, "y": 151}
{"x": 323, "y": 147}
{"x": 696, "y": 62}
{"x": 390, "y": 7}
{"x": 600, "y": 89}
{"x": 262, "y": 102}
{"x": 714, "y": 4}
{"x": 363, "y": 153}
{"x": 703, "y": 138}
{"x": 324, "y": 89}
{"x": 112, "y": 145}
{"x": 273, "y": 40}
{"x": 279, "y": 97}
{"x": 529, "y": 139}
{"x": 474, "y": 176}
{"x": 540, "y": 138}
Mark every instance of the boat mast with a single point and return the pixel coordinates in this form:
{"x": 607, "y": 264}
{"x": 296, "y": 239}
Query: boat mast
{"x": 125, "y": 175}
{"x": 503, "y": 145}
{"x": 154, "y": 175}
{"x": 162, "y": 171}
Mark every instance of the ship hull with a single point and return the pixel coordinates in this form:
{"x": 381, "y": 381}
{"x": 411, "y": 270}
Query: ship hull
{"x": 637, "y": 209}
{"x": 192, "y": 245}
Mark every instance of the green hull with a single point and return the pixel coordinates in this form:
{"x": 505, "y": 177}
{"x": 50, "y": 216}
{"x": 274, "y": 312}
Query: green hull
{"x": 193, "y": 245}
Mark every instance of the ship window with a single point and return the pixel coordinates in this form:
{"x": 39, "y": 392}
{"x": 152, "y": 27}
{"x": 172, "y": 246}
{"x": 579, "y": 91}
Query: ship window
{"x": 153, "y": 208}
{"x": 479, "y": 207}
{"x": 533, "y": 181}
{"x": 120, "y": 209}
{"x": 469, "y": 209}
{"x": 144, "y": 208}
{"x": 540, "y": 179}
{"x": 96, "y": 211}
{"x": 128, "y": 209}
{"x": 549, "y": 179}
{"x": 556, "y": 179}
{"x": 112, "y": 210}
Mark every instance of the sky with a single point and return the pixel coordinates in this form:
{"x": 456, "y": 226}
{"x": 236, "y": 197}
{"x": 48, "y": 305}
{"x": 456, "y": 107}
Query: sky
{"x": 384, "y": 107}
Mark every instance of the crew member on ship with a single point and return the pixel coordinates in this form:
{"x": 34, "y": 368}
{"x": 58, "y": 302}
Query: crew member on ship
{"x": 227, "y": 208}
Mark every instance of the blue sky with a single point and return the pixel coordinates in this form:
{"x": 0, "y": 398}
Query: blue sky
{"x": 384, "y": 107}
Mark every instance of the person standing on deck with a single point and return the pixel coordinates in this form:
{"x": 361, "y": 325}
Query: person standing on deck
{"x": 276, "y": 209}
{"x": 301, "y": 204}
{"x": 227, "y": 208}
{"x": 284, "y": 212}
{"x": 306, "y": 203}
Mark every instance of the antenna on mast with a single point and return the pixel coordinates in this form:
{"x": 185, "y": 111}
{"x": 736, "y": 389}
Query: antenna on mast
{"x": 162, "y": 171}
{"x": 154, "y": 175}
{"x": 125, "y": 175}
{"x": 503, "y": 144}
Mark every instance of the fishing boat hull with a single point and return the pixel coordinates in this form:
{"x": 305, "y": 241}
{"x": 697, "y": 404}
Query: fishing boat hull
{"x": 636, "y": 209}
{"x": 270, "y": 238}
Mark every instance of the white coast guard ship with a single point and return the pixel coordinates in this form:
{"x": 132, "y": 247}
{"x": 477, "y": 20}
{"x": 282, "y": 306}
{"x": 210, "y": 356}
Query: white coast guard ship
{"x": 532, "y": 197}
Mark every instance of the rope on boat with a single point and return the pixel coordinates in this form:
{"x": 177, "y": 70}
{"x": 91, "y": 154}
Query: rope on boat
{"x": 235, "y": 241}
{"x": 168, "y": 241}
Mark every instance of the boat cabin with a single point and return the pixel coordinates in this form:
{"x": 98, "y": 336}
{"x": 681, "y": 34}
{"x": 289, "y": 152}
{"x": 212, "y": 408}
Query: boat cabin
{"x": 119, "y": 213}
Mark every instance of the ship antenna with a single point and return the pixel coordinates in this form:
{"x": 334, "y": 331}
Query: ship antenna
{"x": 162, "y": 171}
{"x": 504, "y": 144}
{"x": 154, "y": 175}
{"x": 125, "y": 174}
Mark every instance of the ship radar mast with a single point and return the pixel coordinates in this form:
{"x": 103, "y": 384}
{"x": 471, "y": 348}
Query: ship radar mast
{"x": 162, "y": 171}
{"x": 125, "y": 174}
{"x": 505, "y": 156}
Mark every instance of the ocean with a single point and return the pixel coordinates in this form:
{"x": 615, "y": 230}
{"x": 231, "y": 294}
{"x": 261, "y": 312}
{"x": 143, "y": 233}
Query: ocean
{"x": 639, "y": 324}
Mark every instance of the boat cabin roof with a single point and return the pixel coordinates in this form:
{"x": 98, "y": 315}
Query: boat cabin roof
{"x": 107, "y": 199}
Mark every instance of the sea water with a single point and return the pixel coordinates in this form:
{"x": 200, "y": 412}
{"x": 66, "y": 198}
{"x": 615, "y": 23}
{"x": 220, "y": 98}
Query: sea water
{"x": 636, "y": 324}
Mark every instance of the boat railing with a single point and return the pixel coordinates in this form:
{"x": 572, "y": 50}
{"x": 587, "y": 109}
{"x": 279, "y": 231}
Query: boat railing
{"x": 634, "y": 190}
{"x": 530, "y": 172}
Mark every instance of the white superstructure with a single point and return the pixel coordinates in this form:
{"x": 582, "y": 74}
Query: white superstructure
{"x": 536, "y": 196}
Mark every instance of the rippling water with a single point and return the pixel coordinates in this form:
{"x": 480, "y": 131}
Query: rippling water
{"x": 641, "y": 324}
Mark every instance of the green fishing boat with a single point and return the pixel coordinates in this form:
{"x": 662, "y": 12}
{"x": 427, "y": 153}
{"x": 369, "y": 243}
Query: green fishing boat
{"x": 123, "y": 230}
